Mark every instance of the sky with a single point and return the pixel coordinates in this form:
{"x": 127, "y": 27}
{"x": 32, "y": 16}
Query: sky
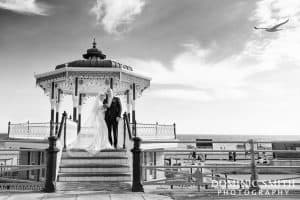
{"x": 212, "y": 72}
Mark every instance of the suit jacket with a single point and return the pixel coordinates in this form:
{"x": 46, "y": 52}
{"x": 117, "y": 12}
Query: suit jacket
{"x": 114, "y": 110}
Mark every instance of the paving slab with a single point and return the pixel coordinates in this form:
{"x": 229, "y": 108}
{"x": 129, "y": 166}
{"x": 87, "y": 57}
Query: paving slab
{"x": 99, "y": 196}
{"x": 127, "y": 196}
{"x": 155, "y": 197}
{"x": 81, "y": 195}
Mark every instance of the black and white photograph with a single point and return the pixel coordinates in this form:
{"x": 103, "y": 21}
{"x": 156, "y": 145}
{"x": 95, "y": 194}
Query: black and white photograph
{"x": 149, "y": 99}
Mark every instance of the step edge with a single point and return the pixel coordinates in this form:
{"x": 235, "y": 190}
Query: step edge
{"x": 96, "y": 174}
{"x": 94, "y": 166}
{"x": 94, "y": 157}
{"x": 104, "y": 150}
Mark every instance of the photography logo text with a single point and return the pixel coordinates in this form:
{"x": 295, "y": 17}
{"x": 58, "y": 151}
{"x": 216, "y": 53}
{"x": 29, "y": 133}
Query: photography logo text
{"x": 253, "y": 188}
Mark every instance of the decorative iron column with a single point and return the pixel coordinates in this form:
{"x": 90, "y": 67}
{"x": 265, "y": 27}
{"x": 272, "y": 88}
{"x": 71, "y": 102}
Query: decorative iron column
{"x": 75, "y": 100}
{"x": 52, "y": 101}
{"x": 79, "y": 113}
{"x": 136, "y": 166}
{"x": 57, "y": 109}
{"x": 128, "y": 103}
{"x": 133, "y": 109}
{"x": 65, "y": 131}
{"x": 111, "y": 83}
{"x": 50, "y": 185}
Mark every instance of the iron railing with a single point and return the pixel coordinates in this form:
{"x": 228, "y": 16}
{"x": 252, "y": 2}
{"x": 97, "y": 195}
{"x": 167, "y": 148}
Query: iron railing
{"x": 31, "y": 169}
{"x": 22, "y": 170}
{"x": 29, "y": 130}
{"x": 155, "y": 131}
{"x": 193, "y": 171}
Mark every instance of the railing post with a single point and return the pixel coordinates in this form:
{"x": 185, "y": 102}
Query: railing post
{"x": 128, "y": 117}
{"x": 56, "y": 122}
{"x": 136, "y": 166}
{"x": 50, "y": 185}
{"x": 134, "y": 129}
{"x": 226, "y": 181}
{"x": 156, "y": 128}
{"x": 174, "y": 127}
{"x": 133, "y": 110}
{"x": 28, "y": 126}
{"x": 253, "y": 179}
{"x": 8, "y": 131}
{"x": 65, "y": 130}
{"x": 124, "y": 130}
{"x": 51, "y": 128}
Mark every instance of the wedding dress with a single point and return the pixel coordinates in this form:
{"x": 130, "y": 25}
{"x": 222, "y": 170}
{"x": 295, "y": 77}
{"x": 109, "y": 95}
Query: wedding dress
{"x": 93, "y": 136}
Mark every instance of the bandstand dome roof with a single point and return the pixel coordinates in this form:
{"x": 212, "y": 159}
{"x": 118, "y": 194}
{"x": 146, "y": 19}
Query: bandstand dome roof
{"x": 94, "y": 63}
{"x": 94, "y": 72}
{"x": 94, "y": 58}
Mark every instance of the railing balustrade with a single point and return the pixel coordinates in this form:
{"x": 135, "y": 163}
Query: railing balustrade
{"x": 201, "y": 174}
{"x": 17, "y": 173}
{"x": 31, "y": 169}
{"x": 29, "y": 130}
{"x": 155, "y": 131}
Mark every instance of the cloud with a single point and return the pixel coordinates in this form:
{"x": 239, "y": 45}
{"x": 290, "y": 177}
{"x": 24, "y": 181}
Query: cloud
{"x": 260, "y": 69}
{"x": 24, "y": 6}
{"x": 116, "y": 15}
{"x": 208, "y": 81}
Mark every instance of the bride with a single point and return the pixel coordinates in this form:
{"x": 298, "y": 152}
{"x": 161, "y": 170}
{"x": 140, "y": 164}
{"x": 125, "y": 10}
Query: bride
{"x": 94, "y": 138}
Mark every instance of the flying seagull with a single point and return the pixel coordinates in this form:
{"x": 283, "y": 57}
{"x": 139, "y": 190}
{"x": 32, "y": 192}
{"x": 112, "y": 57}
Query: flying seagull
{"x": 274, "y": 28}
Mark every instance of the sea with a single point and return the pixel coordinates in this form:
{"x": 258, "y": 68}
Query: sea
{"x": 230, "y": 137}
{"x": 3, "y": 136}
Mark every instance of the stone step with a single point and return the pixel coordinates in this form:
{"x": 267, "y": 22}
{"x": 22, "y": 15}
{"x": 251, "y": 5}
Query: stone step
{"x": 115, "y": 187}
{"x": 83, "y": 153}
{"x": 106, "y": 160}
{"x": 91, "y": 177}
{"x": 93, "y": 168}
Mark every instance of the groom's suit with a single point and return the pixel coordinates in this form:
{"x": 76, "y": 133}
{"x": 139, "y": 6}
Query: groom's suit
{"x": 111, "y": 115}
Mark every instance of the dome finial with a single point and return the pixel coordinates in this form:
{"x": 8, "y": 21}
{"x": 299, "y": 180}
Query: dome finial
{"x": 94, "y": 43}
{"x": 94, "y": 52}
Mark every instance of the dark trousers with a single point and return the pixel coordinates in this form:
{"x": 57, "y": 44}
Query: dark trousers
{"x": 112, "y": 125}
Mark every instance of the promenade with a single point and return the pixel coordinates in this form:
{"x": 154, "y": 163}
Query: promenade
{"x": 81, "y": 195}
{"x": 90, "y": 195}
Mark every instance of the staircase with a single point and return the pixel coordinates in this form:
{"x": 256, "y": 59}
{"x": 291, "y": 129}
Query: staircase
{"x": 105, "y": 166}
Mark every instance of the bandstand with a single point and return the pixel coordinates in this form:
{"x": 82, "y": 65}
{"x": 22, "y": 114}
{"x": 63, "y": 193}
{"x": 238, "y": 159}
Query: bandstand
{"x": 87, "y": 78}
{"x": 83, "y": 79}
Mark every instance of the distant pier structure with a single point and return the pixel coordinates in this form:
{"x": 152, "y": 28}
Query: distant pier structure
{"x": 87, "y": 78}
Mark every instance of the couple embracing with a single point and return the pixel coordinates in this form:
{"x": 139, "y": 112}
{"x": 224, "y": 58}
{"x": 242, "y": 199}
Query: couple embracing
{"x": 102, "y": 131}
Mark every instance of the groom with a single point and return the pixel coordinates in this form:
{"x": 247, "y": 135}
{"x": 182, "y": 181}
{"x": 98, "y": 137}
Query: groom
{"x": 112, "y": 115}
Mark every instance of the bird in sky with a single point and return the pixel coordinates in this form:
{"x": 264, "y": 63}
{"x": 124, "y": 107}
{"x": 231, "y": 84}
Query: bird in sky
{"x": 274, "y": 28}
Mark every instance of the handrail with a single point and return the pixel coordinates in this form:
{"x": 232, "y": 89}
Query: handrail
{"x": 218, "y": 151}
{"x": 148, "y": 124}
{"x": 32, "y": 123}
{"x": 201, "y": 142}
{"x": 25, "y": 150}
{"x": 127, "y": 125}
{"x": 215, "y": 167}
{"x": 61, "y": 125}
{"x": 159, "y": 131}
{"x": 15, "y": 166}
